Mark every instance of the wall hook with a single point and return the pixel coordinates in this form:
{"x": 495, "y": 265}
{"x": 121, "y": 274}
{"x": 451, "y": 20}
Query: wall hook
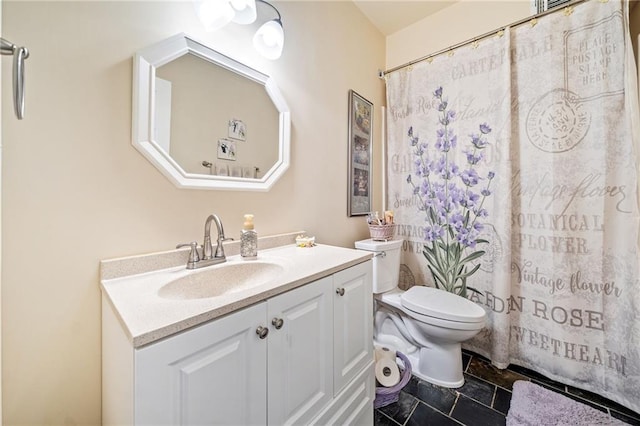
{"x": 19, "y": 55}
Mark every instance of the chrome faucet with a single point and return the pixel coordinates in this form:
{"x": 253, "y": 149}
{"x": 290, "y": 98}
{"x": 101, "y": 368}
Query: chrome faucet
{"x": 208, "y": 256}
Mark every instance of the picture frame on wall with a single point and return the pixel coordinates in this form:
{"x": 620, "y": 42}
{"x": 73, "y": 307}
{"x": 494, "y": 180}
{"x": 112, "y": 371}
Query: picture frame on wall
{"x": 237, "y": 129}
{"x": 360, "y": 149}
{"x": 227, "y": 149}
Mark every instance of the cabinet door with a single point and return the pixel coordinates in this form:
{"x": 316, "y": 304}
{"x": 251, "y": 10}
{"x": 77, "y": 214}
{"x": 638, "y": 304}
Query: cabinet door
{"x": 214, "y": 374}
{"x": 353, "y": 323}
{"x": 300, "y": 353}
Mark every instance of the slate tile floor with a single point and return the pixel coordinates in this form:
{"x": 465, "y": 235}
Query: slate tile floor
{"x": 482, "y": 401}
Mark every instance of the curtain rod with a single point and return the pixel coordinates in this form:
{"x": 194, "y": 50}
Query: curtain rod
{"x": 485, "y": 35}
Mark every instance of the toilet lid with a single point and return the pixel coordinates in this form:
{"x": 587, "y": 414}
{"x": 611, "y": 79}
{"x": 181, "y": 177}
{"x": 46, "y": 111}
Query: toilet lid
{"x": 441, "y": 304}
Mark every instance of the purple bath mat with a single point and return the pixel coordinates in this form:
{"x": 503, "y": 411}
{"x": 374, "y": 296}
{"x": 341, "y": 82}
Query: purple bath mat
{"x": 533, "y": 405}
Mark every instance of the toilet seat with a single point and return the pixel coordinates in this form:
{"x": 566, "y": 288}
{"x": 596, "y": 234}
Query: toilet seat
{"x": 439, "y": 304}
{"x": 394, "y": 297}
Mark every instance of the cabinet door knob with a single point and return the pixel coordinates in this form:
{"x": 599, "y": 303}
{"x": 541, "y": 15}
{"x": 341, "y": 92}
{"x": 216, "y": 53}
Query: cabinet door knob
{"x": 277, "y": 323}
{"x": 340, "y": 291}
{"x": 262, "y": 332}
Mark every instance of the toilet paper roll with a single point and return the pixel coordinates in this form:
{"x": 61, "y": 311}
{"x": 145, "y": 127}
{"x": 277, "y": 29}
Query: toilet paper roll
{"x": 382, "y": 352}
{"x": 387, "y": 372}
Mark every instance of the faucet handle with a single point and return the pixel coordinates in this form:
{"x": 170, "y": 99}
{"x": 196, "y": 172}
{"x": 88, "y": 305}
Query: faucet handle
{"x": 193, "y": 254}
{"x": 219, "y": 248}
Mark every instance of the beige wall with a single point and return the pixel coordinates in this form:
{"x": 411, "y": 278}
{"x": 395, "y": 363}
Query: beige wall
{"x": 459, "y": 22}
{"x": 75, "y": 191}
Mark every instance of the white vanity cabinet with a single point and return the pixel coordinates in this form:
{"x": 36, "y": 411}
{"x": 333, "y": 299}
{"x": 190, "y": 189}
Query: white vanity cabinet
{"x": 352, "y": 323}
{"x": 212, "y": 374}
{"x": 312, "y": 364}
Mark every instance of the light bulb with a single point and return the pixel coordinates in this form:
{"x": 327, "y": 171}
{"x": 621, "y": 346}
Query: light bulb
{"x": 269, "y": 39}
{"x": 245, "y": 11}
{"x": 214, "y": 14}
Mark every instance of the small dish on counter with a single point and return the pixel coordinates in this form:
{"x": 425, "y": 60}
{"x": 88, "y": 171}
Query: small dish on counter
{"x": 304, "y": 241}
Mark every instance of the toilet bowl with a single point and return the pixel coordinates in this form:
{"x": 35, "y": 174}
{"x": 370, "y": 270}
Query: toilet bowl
{"x": 426, "y": 324}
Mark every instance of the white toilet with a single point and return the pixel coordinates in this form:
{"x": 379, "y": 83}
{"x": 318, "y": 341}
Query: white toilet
{"x": 426, "y": 324}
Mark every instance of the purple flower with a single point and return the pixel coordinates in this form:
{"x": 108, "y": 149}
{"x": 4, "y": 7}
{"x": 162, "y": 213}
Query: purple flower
{"x": 448, "y": 116}
{"x": 485, "y": 192}
{"x": 471, "y": 200}
{"x": 485, "y": 129}
{"x": 470, "y": 177}
{"x": 491, "y": 175}
{"x": 442, "y": 106}
{"x": 447, "y": 173}
{"x": 433, "y": 232}
{"x": 456, "y": 195}
{"x": 424, "y": 187}
{"x": 438, "y": 92}
{"x": 472, "y": 158}
{"x": 409, "y": 179}
{"x": 470, "y": 242}
{"x": 457, "y": 221}
{"x": 466, "y": 238}
{"x": 421, "y": 169}
{"x": 440, "y": 165}
{"x": 445, "y": 144}
{"x": 477, "y": 141}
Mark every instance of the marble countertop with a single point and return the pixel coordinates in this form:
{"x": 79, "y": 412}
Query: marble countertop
{"x": 147, "y": 317}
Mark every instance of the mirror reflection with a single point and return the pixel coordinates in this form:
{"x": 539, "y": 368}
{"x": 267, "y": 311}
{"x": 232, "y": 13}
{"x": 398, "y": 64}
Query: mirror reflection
{"x": 207, "y": 121}
{"x": 213, "y": 121}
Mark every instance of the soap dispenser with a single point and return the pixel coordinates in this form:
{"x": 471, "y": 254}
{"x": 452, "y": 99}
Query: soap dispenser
{"x": 248, "y": 239}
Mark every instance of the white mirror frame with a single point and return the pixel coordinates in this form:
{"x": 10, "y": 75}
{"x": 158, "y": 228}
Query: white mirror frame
{"x": 145, "y": 63}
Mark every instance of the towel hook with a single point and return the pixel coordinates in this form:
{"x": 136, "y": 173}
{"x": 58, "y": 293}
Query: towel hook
{"x": 19, "y": 55}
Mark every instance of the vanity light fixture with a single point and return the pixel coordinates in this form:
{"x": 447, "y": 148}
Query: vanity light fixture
{"x": 215, "y": 14}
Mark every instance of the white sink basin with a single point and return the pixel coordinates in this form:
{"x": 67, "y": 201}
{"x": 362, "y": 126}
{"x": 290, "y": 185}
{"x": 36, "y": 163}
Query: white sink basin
{"x": 221, "y": 279}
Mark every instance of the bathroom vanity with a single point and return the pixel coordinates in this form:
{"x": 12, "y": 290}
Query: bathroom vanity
{"x": 284, "y": 339}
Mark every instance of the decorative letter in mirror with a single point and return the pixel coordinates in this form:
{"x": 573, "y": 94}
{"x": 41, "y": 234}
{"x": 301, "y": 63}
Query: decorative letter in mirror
{"x": 207, "y": 121}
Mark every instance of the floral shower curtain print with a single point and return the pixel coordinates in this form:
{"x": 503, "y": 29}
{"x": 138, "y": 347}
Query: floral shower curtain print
{"x": 446, "y": 195}
{"x": 513, "y": 176}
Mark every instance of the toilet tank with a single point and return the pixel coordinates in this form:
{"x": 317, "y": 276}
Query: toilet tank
{"x": 386, "y": 263}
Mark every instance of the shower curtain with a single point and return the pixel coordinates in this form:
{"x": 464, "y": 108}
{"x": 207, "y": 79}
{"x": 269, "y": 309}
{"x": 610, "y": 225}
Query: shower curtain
{"x": 516, "y": 156}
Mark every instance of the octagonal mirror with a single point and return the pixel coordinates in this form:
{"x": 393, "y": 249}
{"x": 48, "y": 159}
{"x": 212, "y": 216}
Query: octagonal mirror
{"x": 207, "y": 121}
